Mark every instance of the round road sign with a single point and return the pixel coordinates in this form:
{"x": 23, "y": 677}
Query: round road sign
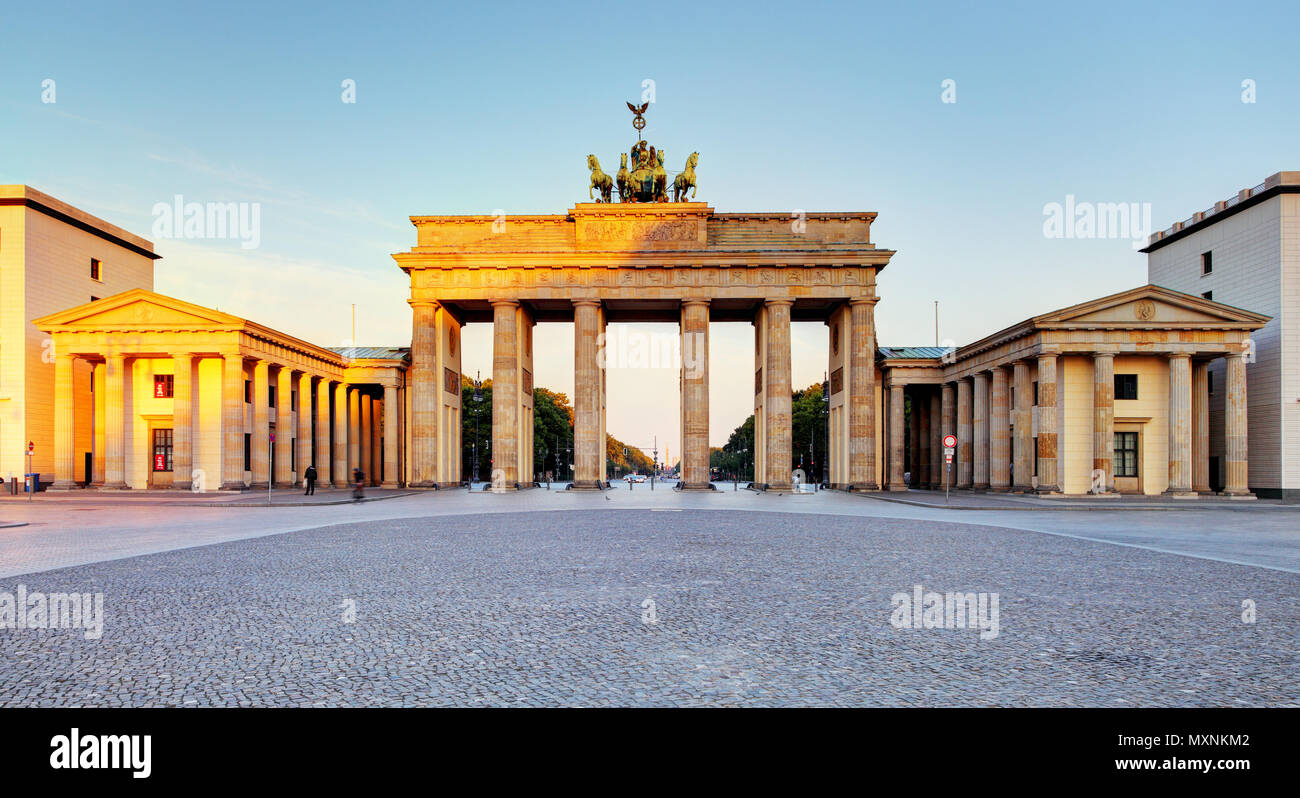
{"x": 949, "y": 440}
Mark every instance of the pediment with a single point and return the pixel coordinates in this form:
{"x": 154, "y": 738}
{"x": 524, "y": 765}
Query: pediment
{"x": 1150, "y": 305}
{"x": 138, "y": 309}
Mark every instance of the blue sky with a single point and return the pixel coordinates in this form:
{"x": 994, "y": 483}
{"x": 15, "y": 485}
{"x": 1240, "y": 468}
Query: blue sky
{"x": 465, "y": 108}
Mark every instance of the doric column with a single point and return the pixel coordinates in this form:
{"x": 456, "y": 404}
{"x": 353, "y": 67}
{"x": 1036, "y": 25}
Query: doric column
{"x": 1103, "y": 422}
{"x": 366, "y": 418}
{"x": 1022, "y": 447}
{"x": 935, "y": 444}
{"x": 65, "y": 457}
{"x": 320, "y": 450}
{"x": 948, "y": 426}
{"x": 1234, "y": 428}
{"x": 999, "y": 432}
{"x": 894, "y": 481}
{"x": 921, "y": 451}
{"x": 1201, "y": 426}
{"x": 695, "y": 394}
{"x": 232, "y": 422}
{"x": 1048, "y": 472}
{"x": 862, "y": 395}
{"x": 354, "y": 430}
{"x": 341, "y": 474}
{"x": 115, "y": 422}
{"x": 304, "y": 437}
{"x": 913, "y": 438}
{"x": 505, "y": 394}
{"x": 376, "y": 440}
{"x": 284, "y": 428}
{"x": 588, "y": 449}
{"x": 777, "y": 395}
{"x": 425, "y": 388}
{"x": 97, "y": 461}
{"x": 182, "y": 421}
{"x": 980, "y": 431}
{"x": 965, "y": 446}
{"x": 1180, "y": 425}
{"x": 390, "y": 438}
{"x": 261, "y": 439}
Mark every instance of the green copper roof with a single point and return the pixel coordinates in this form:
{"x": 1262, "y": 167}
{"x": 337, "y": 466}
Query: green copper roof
{"x": 912, "y": 352}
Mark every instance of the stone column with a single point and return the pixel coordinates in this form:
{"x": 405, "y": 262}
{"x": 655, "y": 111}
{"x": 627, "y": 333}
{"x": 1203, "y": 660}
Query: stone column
{"x": 1234, "y": 428}
{"x": 1048, "y": 472}
{"x": 935, "y": 443}
{"x": 320, "y": 450}
{"x": 376, "y": 440}
{"x": 999, "y": 432}
{"x": 341, "y": 474}
{"x": 1022, "y": 447}
{"x": 862, "y": 395}
{"x": 965, "y": 446}
{"x": 777, "y": 395}
{"x": 261, "y": 424}
{"x": 305, "y": 442}
{"x": 182, "y": 421}
{"x": 366, "y": 414}
{"x": 921, "y": 453}
{"x": 65, "y": 456}
{"x": 115, "y": 422}
{"x": 914, "y": 439}
{"x": 894, "y": 481}
{"x": 1103, "y": 422}
{"x": 505, "y": 394}
{"x": 980, "y": 431}
{"x": 1180, "y": 425}
{"x": 97, "y": 462}
{"x": 1201, "y": 426}
{"x": 425, "y": 388}
{"x": 695, "y": 394}
{"x": 390, "y": 438}
{"x": 948, "y": 401}
{"x": 284, "y": 428}
{"x": 232, "y": 422}
{"x": 354, "y": 430}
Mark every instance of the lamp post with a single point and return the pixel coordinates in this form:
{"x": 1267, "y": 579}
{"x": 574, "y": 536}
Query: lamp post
{"x": 478, "y": 398}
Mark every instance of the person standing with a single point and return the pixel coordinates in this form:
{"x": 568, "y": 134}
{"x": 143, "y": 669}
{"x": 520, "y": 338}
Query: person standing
{"x": 309, "y": 476}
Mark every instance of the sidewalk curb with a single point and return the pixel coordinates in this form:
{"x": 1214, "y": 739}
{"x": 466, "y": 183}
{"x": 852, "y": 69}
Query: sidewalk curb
{"x": 1048, "y": 506}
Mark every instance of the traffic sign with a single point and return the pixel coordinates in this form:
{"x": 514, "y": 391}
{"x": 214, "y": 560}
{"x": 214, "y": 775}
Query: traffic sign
{"x": 949, "y": 441}
{"x": 31, "y": 448}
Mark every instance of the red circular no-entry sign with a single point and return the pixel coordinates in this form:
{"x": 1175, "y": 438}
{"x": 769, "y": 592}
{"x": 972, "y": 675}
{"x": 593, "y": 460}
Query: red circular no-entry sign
{"x": 949, "y": 440}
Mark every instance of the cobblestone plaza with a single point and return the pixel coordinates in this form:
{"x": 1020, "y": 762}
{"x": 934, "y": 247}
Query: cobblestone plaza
{"x": 641, "y": 598}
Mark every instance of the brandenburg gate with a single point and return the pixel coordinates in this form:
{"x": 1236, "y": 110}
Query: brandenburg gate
{"x": 642, "y": 262}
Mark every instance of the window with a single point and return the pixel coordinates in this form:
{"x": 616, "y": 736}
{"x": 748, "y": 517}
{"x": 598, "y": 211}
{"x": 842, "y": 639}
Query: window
{"x": 1126, "y": 386}
{"x": 162, "y": 450}
{"x": 248, "y": 451}
{"x": 248, "y": 392}
{"x": 162, "y": 386}
{"x": 1209, "y": 382}
{"x": 1035, "y": 398}
{"x": 94, "y": 269}
{"x": 1207, "y": 262}
{"x": 270, "y": 396}
{"x": 1126, "y": 454}
{"x": 1208, "y": 295}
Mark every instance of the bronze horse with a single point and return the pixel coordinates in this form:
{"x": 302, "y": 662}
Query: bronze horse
{"x": 599, "y": 180}
{"x": 686, "y": 180}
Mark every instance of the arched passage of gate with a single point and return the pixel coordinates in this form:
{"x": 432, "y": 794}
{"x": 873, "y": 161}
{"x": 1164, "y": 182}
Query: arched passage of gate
{"x": 644, "y": 262}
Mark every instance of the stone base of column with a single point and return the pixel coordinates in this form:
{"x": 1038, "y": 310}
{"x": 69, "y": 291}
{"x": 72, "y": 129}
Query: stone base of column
{"x": 336, "y": 485}
{"x": 425, "y": 483}
{"x": 56, "y": 485}
{"x": 1048, "y": 490}
{"x": 586, "y": 484}
{"x": 1000, "y": 489}
{"x": 861, "y": 486}
{"x": 259, "y": 485}
{"x": 185, "y": 486}
{"x": 280, "y": 485}
{"x": 393, "y": 484}
{"x": 979, "y": 487}
{"x": 233, "y": 486}
{"x": 114, "y": 486}
{"x": 1245, "y": 495}
{"x": 696, "y": 486}
{"x": 1181, "y": 494}
{"x": 896, "y": 486}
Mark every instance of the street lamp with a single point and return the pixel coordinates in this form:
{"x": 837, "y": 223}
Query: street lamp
{"x": 826, "y": 407}
{"x": 478, "y": 398}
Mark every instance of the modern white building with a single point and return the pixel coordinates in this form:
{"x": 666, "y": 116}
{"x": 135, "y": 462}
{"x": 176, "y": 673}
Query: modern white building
{"x": 1245, "y": 251}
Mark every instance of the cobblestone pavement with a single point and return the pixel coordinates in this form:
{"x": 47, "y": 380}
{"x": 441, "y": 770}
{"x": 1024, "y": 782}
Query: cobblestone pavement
{"x": 771, "y": 608}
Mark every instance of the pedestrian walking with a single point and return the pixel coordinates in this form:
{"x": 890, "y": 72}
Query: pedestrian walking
{"x": 309, "y": 476}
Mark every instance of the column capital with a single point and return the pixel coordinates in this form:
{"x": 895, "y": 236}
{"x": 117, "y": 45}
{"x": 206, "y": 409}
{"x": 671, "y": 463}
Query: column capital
{"x": 504, "y": 303}
{"x": 863, "y": 300}
{"x": 778, "y": 302}
{"x": 695, "y": 301}
{"x": 423, "y": 303}
{"x": 1179, "y": 355}
{"x": 583, "y": 302}
{"x": 1233, "y": 355}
